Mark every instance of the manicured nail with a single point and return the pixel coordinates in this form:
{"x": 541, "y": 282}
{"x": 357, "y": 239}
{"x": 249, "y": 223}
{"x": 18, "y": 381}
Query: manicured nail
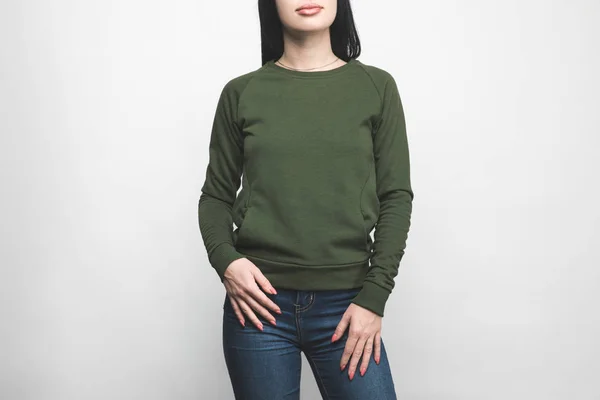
{"x": 273, "y": 290}
{"x": 342, "y": 367}
{"x": 242, "y": 322}
{"x": 260, "y": 327}
{"x": 362, "y": 371}
{"x": 334, "y": 337}
{"x": 279, "y": 311}
{"x": 352, "y": 375}
{"x": 273, "y": 322}
{"x": 377, "y": 360}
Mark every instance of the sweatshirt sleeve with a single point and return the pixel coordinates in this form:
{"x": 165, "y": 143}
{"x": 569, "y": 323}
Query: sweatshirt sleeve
{"x": 222, "y": 180}
{"x": 391, "y": 155}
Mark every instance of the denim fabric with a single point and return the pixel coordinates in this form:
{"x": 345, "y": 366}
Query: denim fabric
{"x": 266, "y": 365}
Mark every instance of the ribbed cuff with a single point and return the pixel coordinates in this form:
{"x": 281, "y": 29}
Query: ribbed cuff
{"x": 372, "y": 297}
{"x": 222, "y": 256}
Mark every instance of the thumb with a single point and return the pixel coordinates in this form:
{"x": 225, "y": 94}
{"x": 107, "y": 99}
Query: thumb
{"x": 262, "y": 281}
{"x": 341, "y": 327}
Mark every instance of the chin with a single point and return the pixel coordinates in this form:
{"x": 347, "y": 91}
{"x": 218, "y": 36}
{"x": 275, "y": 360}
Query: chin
{"x": 310, "y": 26}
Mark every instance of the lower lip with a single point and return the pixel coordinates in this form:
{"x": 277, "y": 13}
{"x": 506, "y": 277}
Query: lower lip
{"x": 309, "y": 11}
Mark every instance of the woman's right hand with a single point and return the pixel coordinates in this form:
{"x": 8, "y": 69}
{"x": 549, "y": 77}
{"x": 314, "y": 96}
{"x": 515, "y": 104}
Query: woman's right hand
{"x": 242, "y": 280}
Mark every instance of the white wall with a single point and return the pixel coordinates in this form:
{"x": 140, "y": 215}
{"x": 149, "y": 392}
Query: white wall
{"x": 105, "y": 111}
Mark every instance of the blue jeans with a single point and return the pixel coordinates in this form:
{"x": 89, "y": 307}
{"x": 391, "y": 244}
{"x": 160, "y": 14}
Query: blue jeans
{"x": 266, "y": 365}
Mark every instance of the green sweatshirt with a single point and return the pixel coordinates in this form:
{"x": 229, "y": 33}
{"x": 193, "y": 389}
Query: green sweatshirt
{"x": 322, "y": 158}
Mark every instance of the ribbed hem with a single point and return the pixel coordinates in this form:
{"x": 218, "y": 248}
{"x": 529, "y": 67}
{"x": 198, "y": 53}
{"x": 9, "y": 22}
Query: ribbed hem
{"x": 372, "y": 297}
{"x": 312, "y": 277}
{"x": 222, "y": 256}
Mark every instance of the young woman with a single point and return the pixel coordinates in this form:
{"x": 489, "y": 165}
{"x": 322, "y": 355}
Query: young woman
{"x": 317, "y": 140}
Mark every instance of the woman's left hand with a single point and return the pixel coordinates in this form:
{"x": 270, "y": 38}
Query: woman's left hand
{"x": 364, "y": 333}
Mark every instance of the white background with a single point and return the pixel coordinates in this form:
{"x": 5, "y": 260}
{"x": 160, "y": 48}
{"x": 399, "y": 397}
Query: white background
{"x": 105, "y": 113}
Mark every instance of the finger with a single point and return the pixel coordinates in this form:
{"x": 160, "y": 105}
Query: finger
{"x": 377, "y": 347}
{"x": 247, "y": 310}
{"x": 262, "y": 298}
{"x": 341, "y": 327}
{"x": 366, "y": 356}
{"x": 259, "y": 309}
{"x": 262, "y": 281}
{"x": 358, "y": 350}
{"x": 237, "y": 310}
{"x": 349, "y": 348}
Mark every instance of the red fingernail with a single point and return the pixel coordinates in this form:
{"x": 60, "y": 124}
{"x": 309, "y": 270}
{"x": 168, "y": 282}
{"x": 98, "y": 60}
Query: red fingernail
{"x": 334, "y": 337}
{"x": 342, "y": 367}
{"x": 242, "y": 322}
{"x": 362, "y": 372}
{"x": 351, "y": 375}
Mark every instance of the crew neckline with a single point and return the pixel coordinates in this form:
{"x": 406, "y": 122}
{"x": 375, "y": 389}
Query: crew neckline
{"x": 310, "y": 74}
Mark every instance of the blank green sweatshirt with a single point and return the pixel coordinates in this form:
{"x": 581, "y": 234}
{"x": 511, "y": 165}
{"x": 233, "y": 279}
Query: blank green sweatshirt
{"x": 322, "y": 159}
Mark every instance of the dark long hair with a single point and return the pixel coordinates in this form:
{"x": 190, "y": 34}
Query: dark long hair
{"x": 344, "y": 37}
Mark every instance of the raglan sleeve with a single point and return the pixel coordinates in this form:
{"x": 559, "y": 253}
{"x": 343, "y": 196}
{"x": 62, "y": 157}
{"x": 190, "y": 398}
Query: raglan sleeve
{"x": 222, "y": 180}
{"x": 395, "y": 194}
